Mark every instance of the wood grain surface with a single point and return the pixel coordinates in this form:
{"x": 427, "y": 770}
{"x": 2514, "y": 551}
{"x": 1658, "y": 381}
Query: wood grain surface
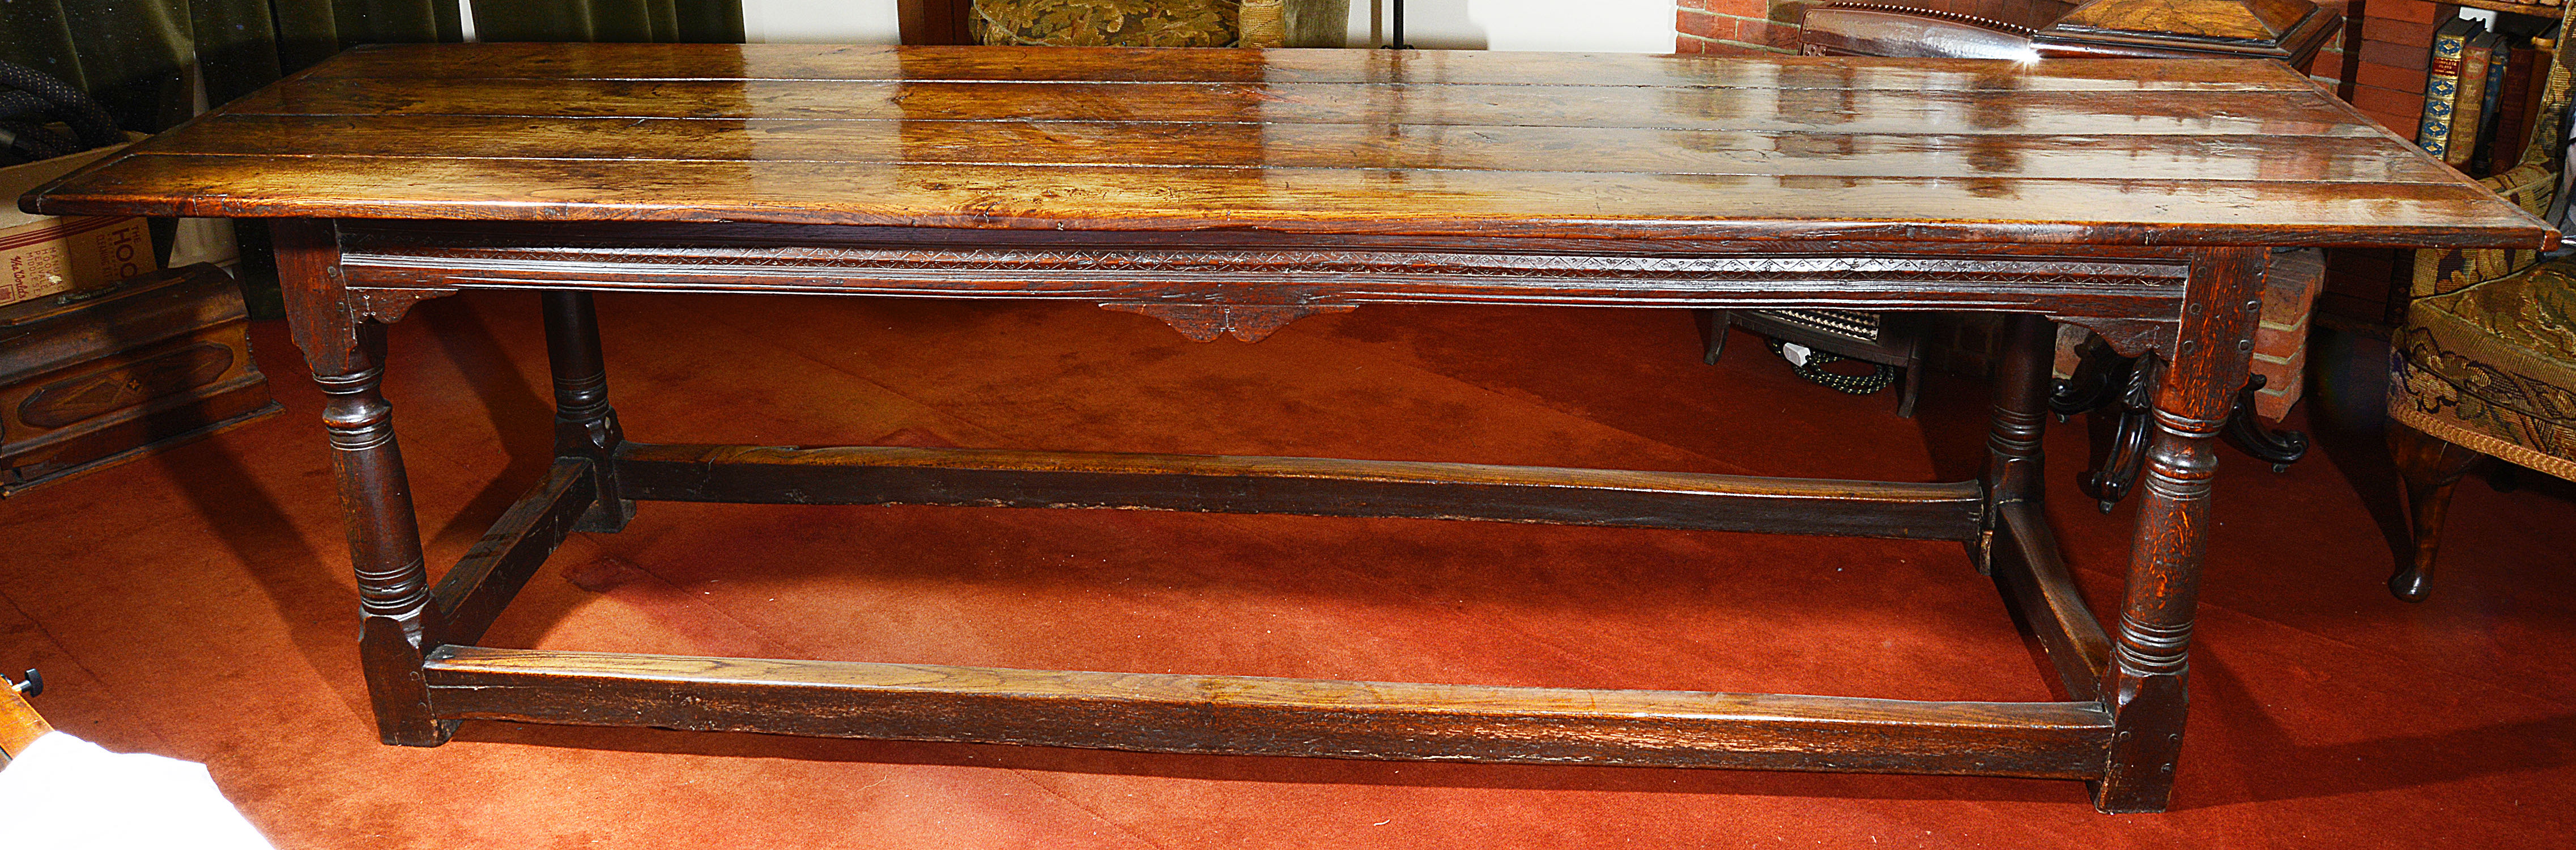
{"x": 472, "y": 594}
{"x": 20, "y": 725}
{"x": 885, "y": 475}
{"x": 1271, "y": 716}
{"x": 1231, "y": 191}
{"x": 1421, "y": 67}
{"x": 2216, "y": 152}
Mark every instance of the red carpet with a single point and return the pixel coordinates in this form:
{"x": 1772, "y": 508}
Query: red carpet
{"x": 198, "y": 605}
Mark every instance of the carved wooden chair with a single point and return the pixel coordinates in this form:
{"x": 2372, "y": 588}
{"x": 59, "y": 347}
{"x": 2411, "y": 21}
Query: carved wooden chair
{"x": 2485, "y": 362}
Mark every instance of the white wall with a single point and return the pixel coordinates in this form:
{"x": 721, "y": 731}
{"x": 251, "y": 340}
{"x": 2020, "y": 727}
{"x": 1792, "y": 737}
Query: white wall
{"x": 1638, "y": 26}
{"x": 821, "y": 21}
{"x": 1633, "y": 26}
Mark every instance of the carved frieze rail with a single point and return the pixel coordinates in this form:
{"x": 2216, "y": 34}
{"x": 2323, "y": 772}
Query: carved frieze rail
{"x": 1254, "y": 289}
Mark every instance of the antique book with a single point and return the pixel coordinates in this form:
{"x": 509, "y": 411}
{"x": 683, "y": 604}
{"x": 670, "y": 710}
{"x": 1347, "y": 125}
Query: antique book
{"x": 2468, "y": 107}
{"x": 2512, "y": 111}
{"x": 2491, "y": 107}
{"x": 2442, "y": 84}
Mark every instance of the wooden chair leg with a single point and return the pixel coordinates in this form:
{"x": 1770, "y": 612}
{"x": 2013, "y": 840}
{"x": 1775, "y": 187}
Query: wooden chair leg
{"x": 1909, "y": 389}
{"x": 2431, "y": 467}
{"x": 1716, "y": 321}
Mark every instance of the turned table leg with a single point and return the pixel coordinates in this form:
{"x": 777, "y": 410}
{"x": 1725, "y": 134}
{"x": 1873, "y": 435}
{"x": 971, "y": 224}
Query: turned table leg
{"x": 347, "y": 356}
{"x": 2145, "y": 684}
{"x": 585, "y": 426}
{"x": 2022, "y": 384}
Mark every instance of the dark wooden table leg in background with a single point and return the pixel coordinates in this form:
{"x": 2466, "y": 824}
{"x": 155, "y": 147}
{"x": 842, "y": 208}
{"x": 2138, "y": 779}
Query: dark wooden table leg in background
{"x": 2013, "y": 467}
{"x": 585, "y": 426}
{"x": 2145, "y": 684}
{"x": 347, "y": 355}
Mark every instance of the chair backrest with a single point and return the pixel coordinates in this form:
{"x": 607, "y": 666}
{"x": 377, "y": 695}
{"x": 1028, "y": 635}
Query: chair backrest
{"x": 2550, "y": 129}
{"x": 1130, "y": 23}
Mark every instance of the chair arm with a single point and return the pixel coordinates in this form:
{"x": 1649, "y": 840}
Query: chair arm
{"x": 2529, "y": 186}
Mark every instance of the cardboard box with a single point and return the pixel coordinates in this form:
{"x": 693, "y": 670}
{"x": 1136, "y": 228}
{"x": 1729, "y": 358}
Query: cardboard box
{"x": 42, "y": 255}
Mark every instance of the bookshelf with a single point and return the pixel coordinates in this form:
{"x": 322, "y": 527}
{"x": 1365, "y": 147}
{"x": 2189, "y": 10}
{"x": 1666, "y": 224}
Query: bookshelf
{"x": 2533, "y": 9}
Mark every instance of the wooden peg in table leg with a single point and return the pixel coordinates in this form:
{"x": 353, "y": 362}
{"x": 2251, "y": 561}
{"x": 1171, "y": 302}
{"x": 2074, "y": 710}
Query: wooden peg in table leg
{"x": 396, "y": 618}
{"x": 585, "y": 426}
{"x": 2145, "y": 685}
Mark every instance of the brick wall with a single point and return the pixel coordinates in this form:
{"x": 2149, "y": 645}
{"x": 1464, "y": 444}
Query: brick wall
{"x": 2392, "y": 42}
{"x": 2396, "y": 40}
{"x": 1738, "y": 27}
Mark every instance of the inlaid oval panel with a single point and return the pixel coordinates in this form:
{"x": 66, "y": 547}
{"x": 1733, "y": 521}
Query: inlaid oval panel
{"x": 76, "y": 398}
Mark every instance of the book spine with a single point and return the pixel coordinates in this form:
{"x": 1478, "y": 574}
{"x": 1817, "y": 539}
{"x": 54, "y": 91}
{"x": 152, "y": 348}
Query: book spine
{"x": 2441, "y": 89}
{"x": 2469, "y": 101}
{"x": 2491, "y": 108}
{"x": 2512, "y": 121}
{"x": 2543, "y": 58}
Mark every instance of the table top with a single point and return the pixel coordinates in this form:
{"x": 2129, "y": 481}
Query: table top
{"x": 2093, "y": 151}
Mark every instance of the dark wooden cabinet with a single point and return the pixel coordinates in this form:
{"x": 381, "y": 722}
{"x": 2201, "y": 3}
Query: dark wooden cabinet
{"x": 935, "y": 21}
{"x": 91, "y": 378}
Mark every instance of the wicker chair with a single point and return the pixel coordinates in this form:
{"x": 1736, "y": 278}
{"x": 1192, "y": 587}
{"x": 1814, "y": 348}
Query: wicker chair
{"x": 2485, "y": 362}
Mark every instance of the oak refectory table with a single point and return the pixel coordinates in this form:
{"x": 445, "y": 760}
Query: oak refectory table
{"x": 1233, "y": 191}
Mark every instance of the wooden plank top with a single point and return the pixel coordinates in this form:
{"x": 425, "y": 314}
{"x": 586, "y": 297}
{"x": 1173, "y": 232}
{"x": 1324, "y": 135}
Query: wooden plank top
{"x": 2096, "y": 151}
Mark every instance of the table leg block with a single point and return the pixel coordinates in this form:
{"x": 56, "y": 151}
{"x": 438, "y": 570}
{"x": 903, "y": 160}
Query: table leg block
{"x": 2145, "y": 685}
{"x": 347, "y": 356}
{"x": 585, "y": 425}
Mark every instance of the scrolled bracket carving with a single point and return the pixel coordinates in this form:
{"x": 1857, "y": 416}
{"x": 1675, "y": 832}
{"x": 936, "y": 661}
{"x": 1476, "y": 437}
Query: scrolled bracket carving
{"x": 1206, "y": 322}
{"x": 389, "y": 305}
{"x": 2130, "y": 337}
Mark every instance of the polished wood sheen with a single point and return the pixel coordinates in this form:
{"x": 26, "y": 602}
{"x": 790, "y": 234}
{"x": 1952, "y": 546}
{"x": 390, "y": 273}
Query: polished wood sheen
{"x": 1229, "y": 193}
{"x": 766, "y": 62}
{"x": 1311, "y": 141}
{"x": 1571, "y": 149}
{"x": 20, "y": 725}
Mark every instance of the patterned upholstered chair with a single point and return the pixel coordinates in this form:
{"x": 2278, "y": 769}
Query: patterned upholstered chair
{"x": 1131, "y": 23}
{"x": 2485, "y": 362}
